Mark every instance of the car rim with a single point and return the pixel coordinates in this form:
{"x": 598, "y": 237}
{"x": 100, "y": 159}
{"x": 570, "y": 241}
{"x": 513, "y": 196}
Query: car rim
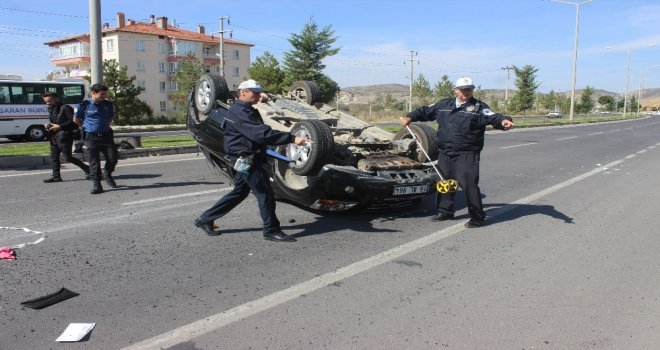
{"x": 299, "y": 154}
{"x": 204, "y": 94}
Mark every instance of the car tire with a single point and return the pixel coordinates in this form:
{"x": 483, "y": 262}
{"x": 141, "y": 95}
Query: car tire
{"x": 307, "y": 91}
{"x": 426, "y": 136}
{"x": 210, "y": 88}
{"x": 35, "y": 133}
{"x": 308, "y": 159}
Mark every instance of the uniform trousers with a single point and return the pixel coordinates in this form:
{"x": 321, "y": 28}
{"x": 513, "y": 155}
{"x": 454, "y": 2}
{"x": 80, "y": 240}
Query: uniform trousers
{"x": 256, "y": 180}
{"x": 464, "y": 168}
{"x": 97, "y": 143}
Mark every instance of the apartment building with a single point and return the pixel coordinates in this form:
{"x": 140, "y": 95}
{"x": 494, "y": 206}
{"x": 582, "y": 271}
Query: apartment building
{"x": 151, "y": 51}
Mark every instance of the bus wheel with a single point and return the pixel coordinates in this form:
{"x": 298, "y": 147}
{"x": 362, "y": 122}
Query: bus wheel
{"x": 35, "y": 133}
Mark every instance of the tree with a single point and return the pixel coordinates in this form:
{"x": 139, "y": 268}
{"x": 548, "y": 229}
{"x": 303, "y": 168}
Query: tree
{"x": 479, "y": 94}
{"x": 586, "y": 104}
{"x": 190, "y": 69}
{"x": 129, "y": 108}
{"x": 266, "y": 70}
{"x": 526, "y": 86}
{"x": 444, "y": 88}
{"x": 305, "y": 60}
{"x": 421, "y": 92}
{"x": 607, "y": 102}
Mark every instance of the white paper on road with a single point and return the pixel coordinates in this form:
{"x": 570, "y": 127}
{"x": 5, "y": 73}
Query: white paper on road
{"x": 76, "y": 331}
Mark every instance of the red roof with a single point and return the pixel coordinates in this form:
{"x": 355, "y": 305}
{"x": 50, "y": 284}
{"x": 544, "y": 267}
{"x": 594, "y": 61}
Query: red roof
{"x": 146, "y": 28}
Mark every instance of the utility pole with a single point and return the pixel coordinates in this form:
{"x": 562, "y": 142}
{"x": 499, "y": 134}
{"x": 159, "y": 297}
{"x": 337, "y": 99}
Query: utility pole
{"x": 222, "y": 32}
{"x": 412, "y": 60}
{"x": 506, "y": 89}
{"x": 95, "y": 53}
{"x": 639, "y": 93}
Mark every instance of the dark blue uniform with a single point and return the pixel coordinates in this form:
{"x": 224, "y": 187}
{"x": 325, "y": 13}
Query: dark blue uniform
{"x": 247, "y": 135}
{"x": 99, "y": 136}
{"x": 460, "y": 139}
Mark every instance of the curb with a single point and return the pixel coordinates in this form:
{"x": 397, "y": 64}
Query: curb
{"x": 35, "y": 161}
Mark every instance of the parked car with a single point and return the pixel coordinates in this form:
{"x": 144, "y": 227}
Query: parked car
{"x": 350, "y": 163}
{"x": 554, "y": 114}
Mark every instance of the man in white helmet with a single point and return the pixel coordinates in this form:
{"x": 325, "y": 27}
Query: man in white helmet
{"x": 462, "y": 124}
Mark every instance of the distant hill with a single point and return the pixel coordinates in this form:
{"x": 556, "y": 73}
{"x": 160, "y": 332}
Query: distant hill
{"x": 364, "y": 94}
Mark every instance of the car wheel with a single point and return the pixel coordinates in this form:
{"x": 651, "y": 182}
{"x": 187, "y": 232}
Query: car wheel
{"x": 35, "y": 133}
{"x": 309, "y": 158}
{"x": 426, "y": 136}
{"x": 209, "y": 88}
{"x": 307, "y": 91}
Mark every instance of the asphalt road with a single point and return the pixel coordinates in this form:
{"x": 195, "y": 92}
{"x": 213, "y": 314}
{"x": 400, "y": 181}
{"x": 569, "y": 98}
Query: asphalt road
{"x": 568, "y": 260}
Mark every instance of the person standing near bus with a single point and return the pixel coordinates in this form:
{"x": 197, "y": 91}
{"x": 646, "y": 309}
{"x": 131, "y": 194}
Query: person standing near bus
{"x": 60, "y": 134}
{"x": 95, "y": 115}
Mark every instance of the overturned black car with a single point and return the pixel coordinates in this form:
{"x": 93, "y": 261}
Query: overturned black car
{"x": 349, "y": 163}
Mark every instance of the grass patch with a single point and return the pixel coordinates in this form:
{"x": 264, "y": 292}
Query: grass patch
{"x": 42, "y": 149}
{"x": 168, "y": 141}
{"x": 37, "y": 149}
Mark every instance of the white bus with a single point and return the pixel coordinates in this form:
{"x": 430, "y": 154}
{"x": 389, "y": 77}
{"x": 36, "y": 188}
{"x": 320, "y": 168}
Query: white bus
{"x": 23, "y": 112}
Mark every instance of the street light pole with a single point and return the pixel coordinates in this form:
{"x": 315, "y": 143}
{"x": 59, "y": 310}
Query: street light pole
{"x": 506, "y": 89}
{"x": 625, "y": 93}
{"x": 575, "y": 48}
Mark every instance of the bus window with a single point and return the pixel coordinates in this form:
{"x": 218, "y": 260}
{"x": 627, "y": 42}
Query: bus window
{"x": 4, "y": 94}
{"x": 72, "y": 94}
{"x": 18, "y": 95}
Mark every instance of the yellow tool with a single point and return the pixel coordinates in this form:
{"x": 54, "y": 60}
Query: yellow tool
{"x": 444, "y": 185}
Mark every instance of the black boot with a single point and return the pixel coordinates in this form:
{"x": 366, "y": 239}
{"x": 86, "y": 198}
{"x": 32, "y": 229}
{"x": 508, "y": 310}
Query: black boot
{"x": 96, "y": 187}
{"x": 53, "y": 179}
{"x": 109, "y": 180}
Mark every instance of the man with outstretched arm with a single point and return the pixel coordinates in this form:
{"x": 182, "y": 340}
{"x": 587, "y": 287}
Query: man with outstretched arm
{"x": 462, "y": 122}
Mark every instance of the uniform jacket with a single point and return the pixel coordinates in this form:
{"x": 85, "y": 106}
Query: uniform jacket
{"x": 246, "y": 133}
{"x": 62, "y": 115}
{"x": 96, "y": 117}
{"x": 462, "y": 129}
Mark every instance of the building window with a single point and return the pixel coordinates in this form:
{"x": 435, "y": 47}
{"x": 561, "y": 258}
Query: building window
{"x": 174, "y": 86}
{"x": 142, "y": 84}
{"x": 140, "y": 66}
{"x": 162, "y": 48}
{"x": 161, "y": 86}
{"x": 234, "y": 72}
{"x": 174, "y": 67}
{"x": 235, "y": 55}
{"x": 139, "y": 45}
{"x": 110, "y": 45}
{"x": 163, "y": 105}
{"x": 161, "y": 67}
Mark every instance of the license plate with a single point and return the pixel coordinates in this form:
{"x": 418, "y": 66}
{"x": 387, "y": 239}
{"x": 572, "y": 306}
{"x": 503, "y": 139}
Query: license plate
{"x": 404, "y": 190}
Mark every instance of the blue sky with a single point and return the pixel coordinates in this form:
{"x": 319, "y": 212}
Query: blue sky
{"x": 459, "y": 38}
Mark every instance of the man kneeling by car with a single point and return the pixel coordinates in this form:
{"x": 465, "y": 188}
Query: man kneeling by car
{"x": 245, "y": 140}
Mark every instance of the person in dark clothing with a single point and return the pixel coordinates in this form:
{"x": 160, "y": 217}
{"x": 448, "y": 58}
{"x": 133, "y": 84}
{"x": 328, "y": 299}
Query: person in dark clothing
{"x": 462, "y": 124}
{"x": 60, "y": 134}
{"x": 95, "y": 115}
{"x": 245, "y": 140}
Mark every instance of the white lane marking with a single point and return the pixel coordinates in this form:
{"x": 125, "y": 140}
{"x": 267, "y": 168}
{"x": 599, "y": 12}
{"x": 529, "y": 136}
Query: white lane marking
{"x": 566, "y": 138}
{"x": 118, "y": 166}
{"x": 214, "y": 322}
{"x": 595, "y": 133}
{"x": 165, "y": 198}
{"x": 523, "y": 144}
{"x": 641, "y": 151}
